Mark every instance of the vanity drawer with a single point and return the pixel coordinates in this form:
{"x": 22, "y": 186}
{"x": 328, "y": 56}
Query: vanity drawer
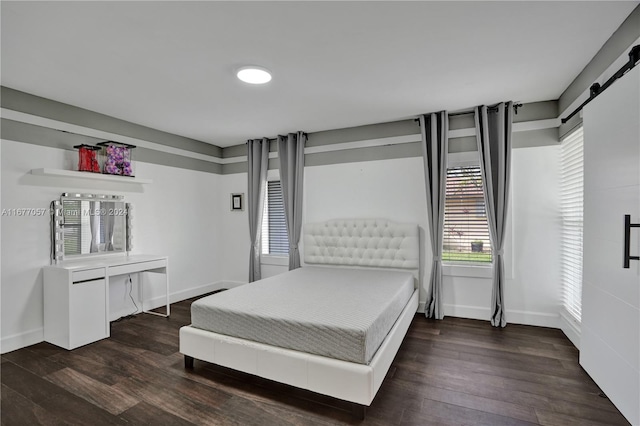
{"x": 87, "y": 274}
{"x": 137, "y": 267}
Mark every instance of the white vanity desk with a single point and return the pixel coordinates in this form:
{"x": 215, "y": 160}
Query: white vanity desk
{"x": 76, "y": 295}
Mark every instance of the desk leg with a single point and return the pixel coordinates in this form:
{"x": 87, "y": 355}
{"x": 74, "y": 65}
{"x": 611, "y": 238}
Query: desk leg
{"x": 106, "y": 301}
{"x": 166, "y": 276}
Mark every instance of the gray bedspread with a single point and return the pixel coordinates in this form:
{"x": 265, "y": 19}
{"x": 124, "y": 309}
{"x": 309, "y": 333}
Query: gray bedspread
{"x": 334, "y": 312}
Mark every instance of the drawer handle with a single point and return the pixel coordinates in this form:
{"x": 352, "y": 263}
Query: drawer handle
{"x": 88, "y": 280}
{"x": 627, "y": 240}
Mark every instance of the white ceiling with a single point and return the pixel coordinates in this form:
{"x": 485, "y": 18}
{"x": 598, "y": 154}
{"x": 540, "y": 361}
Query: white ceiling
{"x": 171, "y": 65}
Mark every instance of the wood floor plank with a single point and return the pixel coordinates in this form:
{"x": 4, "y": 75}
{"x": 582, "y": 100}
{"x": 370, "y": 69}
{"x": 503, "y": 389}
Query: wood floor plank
{"x": 499, "y": 351}
{"x": 147, "y": 414}
{"x": 570, "y": 394}
{"x": 456, "y": 415}
{"x": 31, "y": 386}
{"x": 535, "y": 374}
{"x": 392, "y": 401}
{"x": 59, "y": 402}
{"x": 587, "y": 412}
{"x": 172, "y": 400}
{"x": 106, "y": 397}
{"x": 17, "y": 410}
{"x": 472, "y": 387}
{"x": 551, "y": 418}
{"x": 540, "y": 366}
{"x": 132, "y": 339}
{"x": 77, "y": 411}
{"x": 33, "y": 362}
{"x": 91, "y": 368}
{"x": 487, "y": 405}
{"x": 240, "y": 411}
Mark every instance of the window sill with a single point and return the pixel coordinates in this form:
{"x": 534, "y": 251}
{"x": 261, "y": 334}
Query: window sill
{"x": 470, "y": 271}
{"x": 276, "y": 260}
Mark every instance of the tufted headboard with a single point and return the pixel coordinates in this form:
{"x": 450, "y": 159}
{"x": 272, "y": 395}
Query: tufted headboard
{"x": 362, "y": 242}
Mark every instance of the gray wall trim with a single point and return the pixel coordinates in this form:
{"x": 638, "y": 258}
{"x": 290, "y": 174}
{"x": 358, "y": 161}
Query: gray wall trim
{"x": 35, "y": 105}
{"x": 465, "y": 144}
{"x": 569, "y": 126}
{"x": 241, "y": 149}
{"x": 229, "y": 169}
{"x": 241, "y": 167}
{"x": 462, "y": 121}
{"x": 43, "y": 136}
{"x": 235, "y": 151}
{"x": 536, "y": 111}
{"x": 617, "y": 45}
{"x": 360, "y": 133}
{"x": 535, "y": 138}
{"x": 523, "y": 139}
{"x": 374, "y": 153}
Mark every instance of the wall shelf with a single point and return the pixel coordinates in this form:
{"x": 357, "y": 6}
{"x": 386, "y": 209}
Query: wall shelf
{"x": 89, "y": 176}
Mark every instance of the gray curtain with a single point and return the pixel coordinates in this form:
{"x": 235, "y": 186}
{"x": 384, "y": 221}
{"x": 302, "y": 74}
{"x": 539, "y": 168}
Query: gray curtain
{"x": 94, "y": 223}
{"x": 291, "y": 156}
{"x": 109, "y": 224}
{"x": 435, "y": 145}
{"x": 493, "y": 131}
{"x": 258, "y": 164}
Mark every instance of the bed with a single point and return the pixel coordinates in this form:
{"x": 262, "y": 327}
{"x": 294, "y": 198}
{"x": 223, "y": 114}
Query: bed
{"x": 332, "y": 326}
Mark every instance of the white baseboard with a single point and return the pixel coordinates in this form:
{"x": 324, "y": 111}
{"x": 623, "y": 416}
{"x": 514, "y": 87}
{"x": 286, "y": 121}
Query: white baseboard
{"x": 540, "y": 319}
{"x": 462, "y": 311}
{"x": 21, "y": 340}
{"x": 181, "y": 295}
{"x": 571, "y": 328}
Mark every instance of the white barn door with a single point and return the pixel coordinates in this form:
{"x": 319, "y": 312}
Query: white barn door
{"x": 610, "y": 332}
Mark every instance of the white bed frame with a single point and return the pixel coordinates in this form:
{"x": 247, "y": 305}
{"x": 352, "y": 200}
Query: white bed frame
{"x": 351, "y": 242}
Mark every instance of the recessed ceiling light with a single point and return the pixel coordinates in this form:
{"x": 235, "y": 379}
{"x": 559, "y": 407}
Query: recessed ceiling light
{"x": 254, "y": 75}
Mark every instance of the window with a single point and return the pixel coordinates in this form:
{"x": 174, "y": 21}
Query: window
{"x": 274, "y": 227}
{"x": 466, "y": 232}
{"x": 571, "y": 207}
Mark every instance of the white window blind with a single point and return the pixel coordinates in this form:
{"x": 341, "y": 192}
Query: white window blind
{"x": 274, "y": 227}
{"x": 572, "y": 186}
{"x": 466, "y": 232}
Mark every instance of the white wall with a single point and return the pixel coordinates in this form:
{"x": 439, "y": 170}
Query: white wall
{"x": 235, "y": 230}
{"x": 534, "y": 294}
{"x": 177, "y": 215}
{"x": 394, "y": 189}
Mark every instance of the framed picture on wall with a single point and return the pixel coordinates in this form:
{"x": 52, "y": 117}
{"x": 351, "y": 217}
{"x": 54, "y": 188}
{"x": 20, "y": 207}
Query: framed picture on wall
{"x": 237, "y": 203}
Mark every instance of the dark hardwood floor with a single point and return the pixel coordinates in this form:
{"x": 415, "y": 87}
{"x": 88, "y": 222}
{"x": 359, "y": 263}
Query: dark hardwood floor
{"x": 450, "y": 372}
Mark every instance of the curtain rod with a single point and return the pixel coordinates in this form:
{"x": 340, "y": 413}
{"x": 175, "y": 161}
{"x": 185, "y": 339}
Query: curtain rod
{"x": 457, "y": 114}
{"x": 276, "y": 138}
{"x": 596, "y": 89}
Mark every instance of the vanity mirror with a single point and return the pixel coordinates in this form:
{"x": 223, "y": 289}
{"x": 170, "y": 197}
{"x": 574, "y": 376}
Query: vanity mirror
{"x": 89, "y": 224}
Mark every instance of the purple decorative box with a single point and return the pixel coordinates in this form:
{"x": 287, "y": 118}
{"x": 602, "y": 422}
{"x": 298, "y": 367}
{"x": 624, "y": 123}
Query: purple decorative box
{"x": 117, "y": 158}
